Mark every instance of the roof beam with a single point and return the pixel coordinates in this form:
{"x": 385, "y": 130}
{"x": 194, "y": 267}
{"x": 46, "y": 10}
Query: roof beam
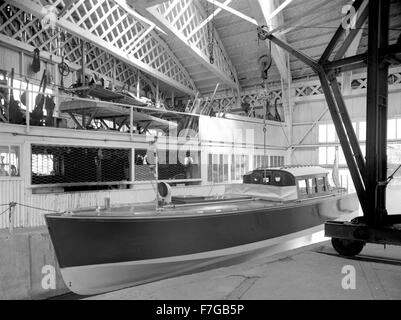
{"x": 277, "y": 10}
{"x": 337, "y": 36}
{"x": 171, "y": 21}
{"x": 271, "y": 15}
{"x": 79, "y": 31}
{"x": 319, "y": 9}
{"x": 353, "y": 37}
{"x": 123, "y": 4}
{"x": 233, "y": 11}
{"x": 204, "y": 22}
{"x": 148, "y": 3}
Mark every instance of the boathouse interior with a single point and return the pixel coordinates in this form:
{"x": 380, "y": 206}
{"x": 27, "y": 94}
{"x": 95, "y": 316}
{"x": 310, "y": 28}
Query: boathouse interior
{"x": 100, "y": 99}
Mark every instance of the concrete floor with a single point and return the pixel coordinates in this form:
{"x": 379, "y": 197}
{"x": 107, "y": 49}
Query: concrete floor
{"x": 312, "y": 272}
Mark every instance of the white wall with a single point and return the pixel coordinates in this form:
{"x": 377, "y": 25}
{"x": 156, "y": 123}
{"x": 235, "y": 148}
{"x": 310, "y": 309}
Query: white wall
{"x": 242, "y": 131}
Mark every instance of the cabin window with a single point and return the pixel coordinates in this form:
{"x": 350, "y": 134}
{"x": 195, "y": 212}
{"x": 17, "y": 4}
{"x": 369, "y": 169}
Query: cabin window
{"x": 254, "y": 177}
{"x": 9, "y": 161}
{"x": 267, "y": 179}
{"x": 283, "y": 179}
{"x": 312, "y": 185}
{"x": 277, "y": 179}
{"x": 321, "y": 184}
{"x": 303, "y": 190}
{"x": 270, "y": 177}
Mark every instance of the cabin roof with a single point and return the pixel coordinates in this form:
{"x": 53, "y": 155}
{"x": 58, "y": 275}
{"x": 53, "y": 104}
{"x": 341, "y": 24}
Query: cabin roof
{"x": 298, "y": 171}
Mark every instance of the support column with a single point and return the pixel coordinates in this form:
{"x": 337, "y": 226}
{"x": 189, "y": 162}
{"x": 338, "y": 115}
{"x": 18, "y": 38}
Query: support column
{"x": 83, "y": 62}
{"x": 113, "y": 86}
{"x": 138, "y": 85}
{"x": 376, "y": 114}
{"x": 157, "y": 95}
{"x": 288, "y": 106}
{"x": 352, "y": 138}
{"x": 342, "y": 136}
{"x": 383, "y": 111}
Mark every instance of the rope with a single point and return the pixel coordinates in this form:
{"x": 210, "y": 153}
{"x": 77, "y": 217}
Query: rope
{"x": 210, "y": 34}
{"x": 288, "y": 142}
{"x": 13, "y": 204}
{"x": 37, "y": 208}
{"x": 4, "y": 211}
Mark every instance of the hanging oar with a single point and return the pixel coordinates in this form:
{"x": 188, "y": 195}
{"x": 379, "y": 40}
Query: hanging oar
{"x": 49, "y": 106}
{"x": 36, "y": 61}
{"x": 63, "y": 67}
{"x": 14, "y": 111}
{"x": 49, "y": 74}
{"x": 23, "y": 95}
{"x": 37, "y": 113}
{"x": 278, "y": 117}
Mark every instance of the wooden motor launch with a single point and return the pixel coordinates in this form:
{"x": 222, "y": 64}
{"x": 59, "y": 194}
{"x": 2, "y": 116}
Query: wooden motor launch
{"x": 106, "y": 249}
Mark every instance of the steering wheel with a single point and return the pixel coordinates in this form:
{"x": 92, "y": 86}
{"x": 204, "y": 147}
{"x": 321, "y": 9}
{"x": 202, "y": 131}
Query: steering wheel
{"x": 64, "y": 69}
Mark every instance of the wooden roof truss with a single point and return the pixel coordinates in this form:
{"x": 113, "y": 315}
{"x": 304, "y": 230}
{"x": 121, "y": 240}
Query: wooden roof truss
{"x": 111, "y": 29}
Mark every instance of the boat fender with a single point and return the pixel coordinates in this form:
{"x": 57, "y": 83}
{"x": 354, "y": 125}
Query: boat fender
{"x": 36, "y": 61}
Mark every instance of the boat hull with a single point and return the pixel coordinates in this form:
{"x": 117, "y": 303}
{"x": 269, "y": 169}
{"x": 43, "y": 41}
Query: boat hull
{"x": 100, "y": 278}
{"x": 99, "y": 254}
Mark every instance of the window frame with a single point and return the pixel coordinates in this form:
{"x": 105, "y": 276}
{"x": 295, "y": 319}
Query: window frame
{"x": 222, "y": 168}
{"x": 239, "y": 166}
{"x": 312, "y": 186}
{"x": 9, "y": 146}
{"x": 323, "y": 185}
{"x": 324, "y": 145}
{"x": 302, "y": 195}
{"x": 311, "y": 192}
{"x": 260, "y": 161}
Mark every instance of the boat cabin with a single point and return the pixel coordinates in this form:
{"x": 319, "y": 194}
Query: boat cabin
{"x": 310, "y": 181}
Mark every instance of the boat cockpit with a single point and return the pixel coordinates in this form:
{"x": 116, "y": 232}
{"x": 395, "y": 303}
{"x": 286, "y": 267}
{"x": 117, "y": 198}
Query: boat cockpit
{"x": 310, "y": 181}
{"x": 273, "y": 184}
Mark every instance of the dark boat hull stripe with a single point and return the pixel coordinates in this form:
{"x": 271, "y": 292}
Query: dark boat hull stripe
{"x": 95, "y": 279}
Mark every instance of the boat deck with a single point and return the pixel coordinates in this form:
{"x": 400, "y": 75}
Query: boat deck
{"x": 209, "y": 205}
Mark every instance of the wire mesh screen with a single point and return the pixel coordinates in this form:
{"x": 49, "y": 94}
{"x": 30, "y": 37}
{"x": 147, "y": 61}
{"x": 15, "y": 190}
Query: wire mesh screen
{"x": 172, "y": 165}
{"x": 66, "y": 164}
{"x": 143, "y": 171}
